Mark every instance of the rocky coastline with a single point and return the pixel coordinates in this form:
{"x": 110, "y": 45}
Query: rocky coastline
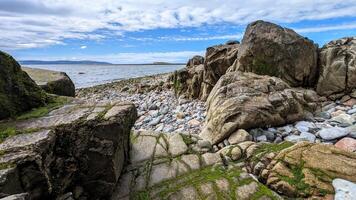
{"x": 270, "y": 117}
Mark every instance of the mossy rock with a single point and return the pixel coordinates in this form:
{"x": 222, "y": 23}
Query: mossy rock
{"x": 18, "y": 92}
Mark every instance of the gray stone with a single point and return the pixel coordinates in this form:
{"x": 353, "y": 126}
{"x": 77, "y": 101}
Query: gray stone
{"x": 261, "y": 138}
{"x": 352, "y": 111}
{"x": 246, "y": 191}
{"x": 204, "y": 144}
{"x": 142, "y": 148}
{"x": 304, "y": 126}
{"x": 176, "y": 145}
{"x": 332, "y": 133}
{"x": 211, "y": 158}
{"x": 344, "y": 190}
{"x": 344, "y": 119}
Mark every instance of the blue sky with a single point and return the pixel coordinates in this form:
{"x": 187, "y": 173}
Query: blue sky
{"x": 142, "y": 31}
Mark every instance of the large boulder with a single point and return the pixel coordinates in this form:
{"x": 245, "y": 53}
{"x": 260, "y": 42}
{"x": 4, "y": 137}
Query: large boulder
{"x": 242, "y": 100}
{"x": 196, "y": 60}
{"x": 18, "y": 92}
{"x": 303, "y": 170}
{"x": 53, "y": 82}
{"x": 77, "y": 151}
{"x": 337, "y": 67}
{"x": 269, "y": 49}
{"x": 217, "y": 60}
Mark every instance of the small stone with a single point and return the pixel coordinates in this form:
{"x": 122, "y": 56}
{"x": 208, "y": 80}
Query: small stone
{"x": 343, "y": 119}
{"x": 324, "y": 115}
{"x": 344, "y": 190}
{"x": 350, "y": 102}
{"x": 153, "y": 107}
{"x": 226, "y": 142}
{"x": 352, "y": 111}
{"x": 211, "y": 158}
{"x": 180, "y": 115}
{"x": 304, "y": 126}
{"x": 204, "y": 144}
{"x": 345, "y": 98}
{"x": 310, "y": 137}
{"x": 332, "y": 133}
{"x": 239, "y": 136}
{"x": 347, "y": 144}
{"x": 194, "y": 122}
{"x": 176, "y": 145}
{"x": 261, "y": 138}
{"x": 352, "y": 131}
{"x": 246, "y": 191}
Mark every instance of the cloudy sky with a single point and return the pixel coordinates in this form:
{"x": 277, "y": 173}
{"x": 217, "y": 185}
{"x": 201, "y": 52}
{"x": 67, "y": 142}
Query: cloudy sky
{"x": 142, "y": 31}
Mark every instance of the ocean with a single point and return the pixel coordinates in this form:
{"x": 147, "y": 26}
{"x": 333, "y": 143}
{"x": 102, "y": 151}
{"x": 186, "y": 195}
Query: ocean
{"x": 90, "y": 75}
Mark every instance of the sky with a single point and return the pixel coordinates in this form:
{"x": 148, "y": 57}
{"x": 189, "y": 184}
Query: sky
{"x": 144, "y": 31}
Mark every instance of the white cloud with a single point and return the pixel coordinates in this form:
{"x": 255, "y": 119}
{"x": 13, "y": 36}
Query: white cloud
{"x": 327, "y": 28}
{"x": 131, "y": 58}
{"x": 83, "y": 47}
{"x": 38, "y": 23}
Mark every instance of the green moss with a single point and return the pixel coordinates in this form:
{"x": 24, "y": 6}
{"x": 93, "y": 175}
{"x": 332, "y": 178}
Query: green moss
{"x": 142, "y": 196}
{"x": 261, "y": 67}
{"x": 297, "y": 181}
{"x": 54, "y": 103}
{"x": 6, "y": 132}
{"x": 6, "y": 165}
{"x": 263, "y": 191}
{"x": 269, "y": 148}
{"x": 187, "y": 139}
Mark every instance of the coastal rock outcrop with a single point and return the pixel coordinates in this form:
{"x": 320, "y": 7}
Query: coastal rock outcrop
{"x": 242, "y": 100}
{"x": 337, "y": 67}
{"x": 187, "y": 81}
{"x": 303, "y": 170}
{"x": 269, "y": 49}
{"x": 172, "y": 166}
{"x": 77, "y": 151}
{"x": 18, "y": 92}
{"x": 52, "y": 82}
{"x": 217, "y": 60}
{"x": 200, "y": 75}
{"x": 196, "y": 60}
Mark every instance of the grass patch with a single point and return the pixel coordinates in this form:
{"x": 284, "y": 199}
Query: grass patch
{"x": 54, "y": 103}
{"x": 6, "y": 132}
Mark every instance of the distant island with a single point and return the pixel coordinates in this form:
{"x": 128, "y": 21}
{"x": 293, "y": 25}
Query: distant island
{"x": 63, "y": 62}
{"x": 86, "y": 62}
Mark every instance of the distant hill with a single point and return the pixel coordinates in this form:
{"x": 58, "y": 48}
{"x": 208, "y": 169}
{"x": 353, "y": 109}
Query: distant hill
{"x": 86, "y": 62}
{"x": 62, "y": 62}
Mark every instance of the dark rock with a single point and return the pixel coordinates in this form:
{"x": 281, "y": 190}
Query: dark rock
{"x": 269, "y": 49}
{"x": 18, "y": 92}
{"x": 52, "y": 156}
{"x": 52, "y": 82}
